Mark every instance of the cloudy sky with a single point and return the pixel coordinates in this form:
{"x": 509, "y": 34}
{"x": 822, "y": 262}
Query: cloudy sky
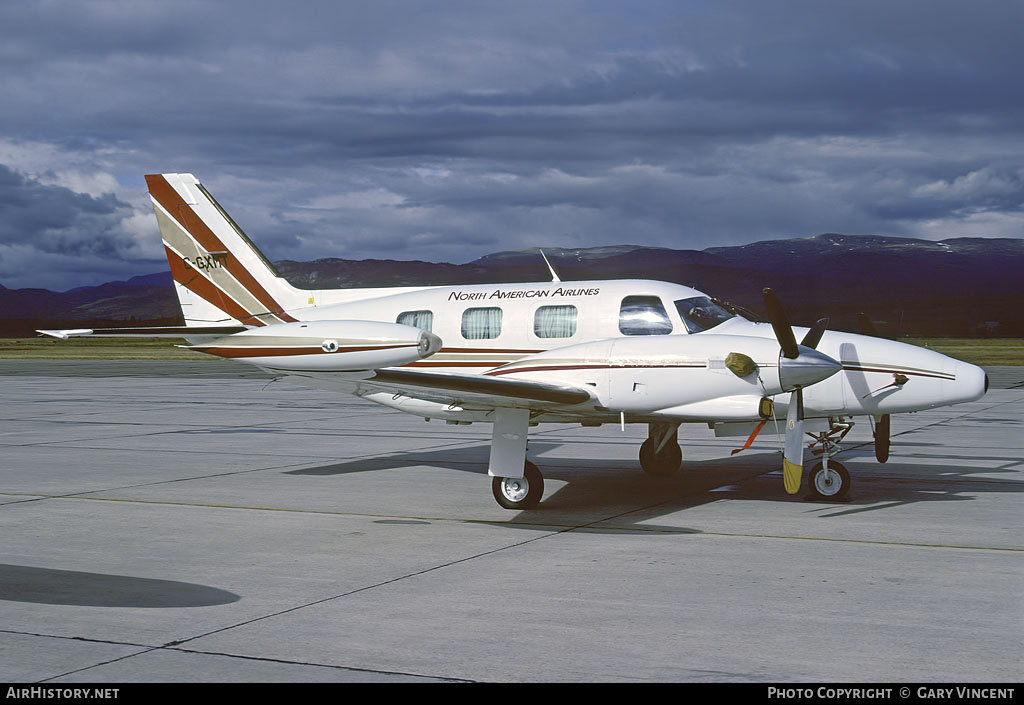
{"x": 445, "y": 130}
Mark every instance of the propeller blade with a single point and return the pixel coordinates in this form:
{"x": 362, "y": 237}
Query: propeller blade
{"x": 867, "y": 326}
{"x": 793, "y": 455}
{"x": 813, "y": 336}
{"x": 780, "y": 324}
{"x": 882, "y": 438}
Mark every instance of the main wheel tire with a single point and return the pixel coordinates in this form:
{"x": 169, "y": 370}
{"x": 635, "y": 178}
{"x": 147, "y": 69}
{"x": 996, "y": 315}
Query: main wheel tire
{"x": 660, "y": 464}
{"x": 519, "y": 492}
{"x": 832, "y": 487}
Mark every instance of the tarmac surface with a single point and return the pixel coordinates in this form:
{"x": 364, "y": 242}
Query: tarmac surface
{"x": 179, "y": 521}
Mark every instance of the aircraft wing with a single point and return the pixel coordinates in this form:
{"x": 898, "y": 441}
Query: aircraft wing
{"x": 477, "y": 391}
{"x": 477, "y": 385}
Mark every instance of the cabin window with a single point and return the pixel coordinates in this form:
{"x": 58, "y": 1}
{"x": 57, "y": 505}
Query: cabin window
{"x": 643, "y": 315}
{"x": 555, "y": 322}
{"x": 417, "y": 319}
{"x": 481, "y": 323}
{"x": 701, "y": 313}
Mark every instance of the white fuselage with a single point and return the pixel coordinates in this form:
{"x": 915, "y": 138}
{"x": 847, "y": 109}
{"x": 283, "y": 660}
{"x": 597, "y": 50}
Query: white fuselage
{"x": 488, "y": 326}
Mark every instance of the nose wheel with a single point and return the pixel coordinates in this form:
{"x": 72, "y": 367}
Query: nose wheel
{"x": 519, "y": 492}
{"x": 829, "y": 481}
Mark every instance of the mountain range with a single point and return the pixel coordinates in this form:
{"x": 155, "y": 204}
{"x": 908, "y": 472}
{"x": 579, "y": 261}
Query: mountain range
{"x": 955, "y": 287}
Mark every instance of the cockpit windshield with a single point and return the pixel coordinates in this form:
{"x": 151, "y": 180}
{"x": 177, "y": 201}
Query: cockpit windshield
{"x": 701, "y": 313}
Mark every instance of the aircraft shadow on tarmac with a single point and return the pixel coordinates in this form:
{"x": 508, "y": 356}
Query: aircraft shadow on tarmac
{"x": 49, "y": 586}
{"x": 597, "y": 484}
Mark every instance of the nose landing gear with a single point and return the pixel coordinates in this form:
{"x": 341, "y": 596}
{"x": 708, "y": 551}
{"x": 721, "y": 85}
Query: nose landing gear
{"x": 829, "y": 480}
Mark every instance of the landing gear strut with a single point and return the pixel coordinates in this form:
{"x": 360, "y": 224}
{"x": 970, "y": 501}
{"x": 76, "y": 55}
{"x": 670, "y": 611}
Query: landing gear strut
{"x": 512, "y": 487}
{"x": 660, "y": 454}
{"x": 828, "y": 479}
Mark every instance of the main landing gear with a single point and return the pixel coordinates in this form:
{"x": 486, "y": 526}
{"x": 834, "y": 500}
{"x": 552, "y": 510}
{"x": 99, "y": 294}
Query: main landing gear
{"x": 660, "y": 454}
{"x": 515, "y": 482}
{"x": 519, "y": 492}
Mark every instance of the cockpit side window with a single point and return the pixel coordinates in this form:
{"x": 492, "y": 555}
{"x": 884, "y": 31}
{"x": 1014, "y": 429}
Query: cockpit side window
{"x": 701, "y": 313}
{"x": 643, "y": 315}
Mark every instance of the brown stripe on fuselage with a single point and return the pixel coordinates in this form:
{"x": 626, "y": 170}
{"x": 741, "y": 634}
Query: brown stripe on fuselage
{"x": 489, "y": 350}
{"x": 172, "y": 202}
{"x": 908, "y": 373}
{"x": 454, "y": 364}
{"x": 560, "y": 368}
{"x": 285, "y": 351}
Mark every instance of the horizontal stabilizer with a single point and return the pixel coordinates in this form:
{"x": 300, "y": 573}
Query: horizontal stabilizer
{"x": 145, "y": 331}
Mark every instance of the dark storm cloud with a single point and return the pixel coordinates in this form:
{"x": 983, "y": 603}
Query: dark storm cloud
{"x": 50, "y": 232}
{"x": 447, "y": 130}
{"x": 56, "y": 219}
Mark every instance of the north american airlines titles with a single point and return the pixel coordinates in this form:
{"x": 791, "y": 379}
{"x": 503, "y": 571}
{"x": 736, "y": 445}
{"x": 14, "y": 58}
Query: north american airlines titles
{"x": 521, "y": 294}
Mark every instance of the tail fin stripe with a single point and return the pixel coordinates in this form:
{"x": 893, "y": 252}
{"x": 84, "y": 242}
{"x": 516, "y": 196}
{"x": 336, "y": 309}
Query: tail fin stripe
{"x": 205, "y": 237}
{"x": 173, "y": 204}
{"x": 195, "y": 282}
{"x": 180, "y": 244}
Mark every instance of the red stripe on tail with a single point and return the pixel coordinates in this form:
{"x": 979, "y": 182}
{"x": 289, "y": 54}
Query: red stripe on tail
{"x": 199, "y": 285}
{"x": 172, "y": 202}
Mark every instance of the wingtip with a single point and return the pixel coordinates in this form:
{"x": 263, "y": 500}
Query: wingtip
{"x": 65, "y": 334}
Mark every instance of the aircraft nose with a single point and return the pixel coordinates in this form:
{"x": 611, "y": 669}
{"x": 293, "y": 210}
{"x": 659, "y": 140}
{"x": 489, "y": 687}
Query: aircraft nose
{"x": 806, "y": 369}
{"x": 970, "y": 384}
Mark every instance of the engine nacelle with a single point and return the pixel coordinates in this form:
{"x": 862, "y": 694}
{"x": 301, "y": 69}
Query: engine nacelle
{"x": 326, "y": 346}
{"x": 706, "y": 376}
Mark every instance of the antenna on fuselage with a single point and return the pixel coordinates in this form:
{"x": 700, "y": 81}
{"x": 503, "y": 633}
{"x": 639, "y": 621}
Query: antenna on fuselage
{"x": 554, "y": 277}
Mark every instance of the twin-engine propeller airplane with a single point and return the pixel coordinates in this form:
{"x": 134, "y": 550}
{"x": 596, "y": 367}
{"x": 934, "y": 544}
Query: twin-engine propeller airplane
{"x": 517, "y": 355}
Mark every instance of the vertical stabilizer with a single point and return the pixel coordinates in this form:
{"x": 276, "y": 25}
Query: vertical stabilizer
{"x": 219, "y": 274}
